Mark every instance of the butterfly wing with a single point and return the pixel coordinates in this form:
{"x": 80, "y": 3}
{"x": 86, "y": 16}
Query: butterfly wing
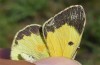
{"x": 28, "y": 44}
{"x": 63, "y": 32}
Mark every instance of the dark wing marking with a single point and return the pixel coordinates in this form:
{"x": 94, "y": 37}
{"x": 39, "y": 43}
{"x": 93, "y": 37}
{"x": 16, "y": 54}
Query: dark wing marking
{"x": 73, "y": 16}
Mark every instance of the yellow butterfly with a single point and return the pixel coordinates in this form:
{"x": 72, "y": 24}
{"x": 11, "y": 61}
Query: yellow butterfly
{"x": 59, "y": 36}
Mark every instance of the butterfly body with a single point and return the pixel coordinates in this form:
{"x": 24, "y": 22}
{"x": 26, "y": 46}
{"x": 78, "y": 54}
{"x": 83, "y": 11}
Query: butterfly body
{"x": 59, "y": 36}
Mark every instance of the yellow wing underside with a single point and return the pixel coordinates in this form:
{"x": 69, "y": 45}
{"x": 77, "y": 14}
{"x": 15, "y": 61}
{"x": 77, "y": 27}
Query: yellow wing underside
{"x": 58, "y": 41}
{"x": 29, "y": 46}
{"x": 32, "y": 45}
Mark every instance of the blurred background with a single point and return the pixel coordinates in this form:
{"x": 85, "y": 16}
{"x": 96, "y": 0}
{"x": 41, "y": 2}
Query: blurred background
{"x": 16, "y": 14}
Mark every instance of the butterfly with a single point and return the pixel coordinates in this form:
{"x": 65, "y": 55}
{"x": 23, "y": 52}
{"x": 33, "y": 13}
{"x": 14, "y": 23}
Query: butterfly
{"x": 59, "y": 36}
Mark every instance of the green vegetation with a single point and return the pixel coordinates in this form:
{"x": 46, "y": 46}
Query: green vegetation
{"x": 16, "y": 14}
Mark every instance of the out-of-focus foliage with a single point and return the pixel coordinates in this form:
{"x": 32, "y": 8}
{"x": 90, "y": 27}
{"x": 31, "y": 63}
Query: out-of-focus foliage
{"x": 16, "y": 14}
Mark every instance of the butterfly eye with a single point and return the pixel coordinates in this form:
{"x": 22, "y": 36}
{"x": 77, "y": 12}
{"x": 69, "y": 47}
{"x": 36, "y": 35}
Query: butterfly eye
{"x": 70, "y": 43}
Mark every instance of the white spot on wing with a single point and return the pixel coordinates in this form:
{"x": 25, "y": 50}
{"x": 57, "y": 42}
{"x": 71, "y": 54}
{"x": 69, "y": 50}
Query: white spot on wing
{"x": 28, "y": 57}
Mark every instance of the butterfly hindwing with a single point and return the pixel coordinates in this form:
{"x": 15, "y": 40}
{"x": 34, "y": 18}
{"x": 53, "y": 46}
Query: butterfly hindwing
{"x": 63, "y": 32}
{"x": 28, "y": 44}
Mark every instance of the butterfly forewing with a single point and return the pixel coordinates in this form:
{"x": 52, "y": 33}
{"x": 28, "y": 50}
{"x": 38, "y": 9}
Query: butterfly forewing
{"x": 63, "y": 32}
